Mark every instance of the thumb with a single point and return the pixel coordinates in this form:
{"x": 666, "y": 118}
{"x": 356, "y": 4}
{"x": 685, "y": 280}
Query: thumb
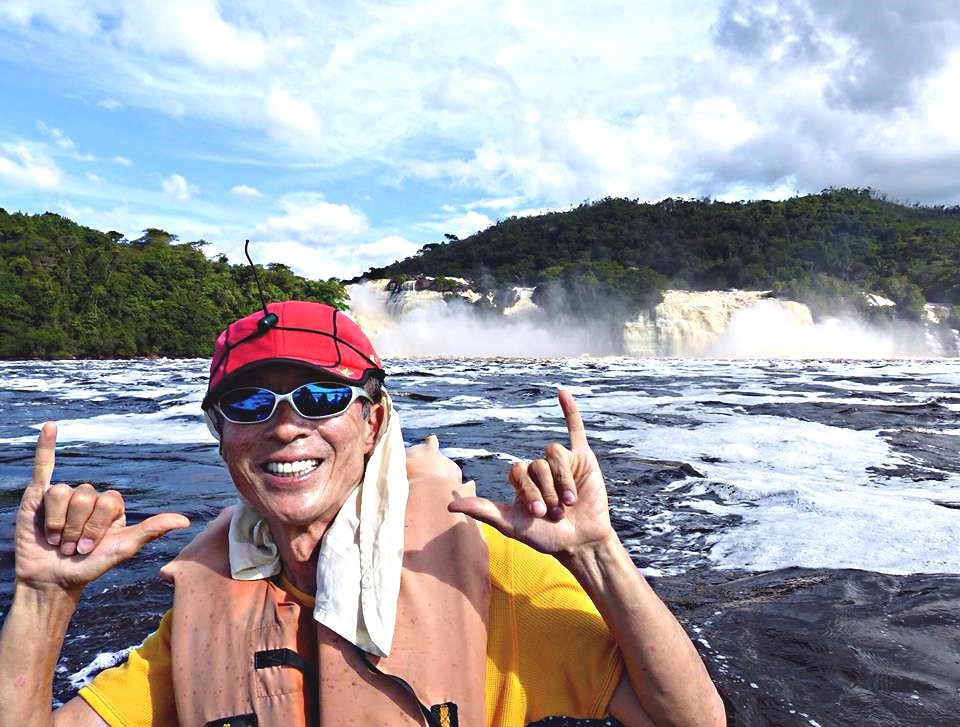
{"x": 149, "y": 530}
{"x": 482, "y": 509}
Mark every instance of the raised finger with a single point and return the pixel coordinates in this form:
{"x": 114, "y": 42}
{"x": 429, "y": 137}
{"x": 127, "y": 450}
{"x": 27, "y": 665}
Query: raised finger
{"x": 571, "y": 412}
{"x": 108, "y": 510}
{"x": 56, "y": 502}
{"x": 527, "y": 492}
{"x": 43, "y": 458}
{"x": 558, "y": 457}
{"x": 82, "y": 504}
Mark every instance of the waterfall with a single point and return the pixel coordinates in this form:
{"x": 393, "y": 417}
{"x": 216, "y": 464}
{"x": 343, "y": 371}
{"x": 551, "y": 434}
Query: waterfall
{"x": 689, "y": 323}
{"x": 416, "y": 318}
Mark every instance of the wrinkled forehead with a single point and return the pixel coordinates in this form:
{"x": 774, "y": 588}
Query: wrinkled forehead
{"x": 278, "y": 376}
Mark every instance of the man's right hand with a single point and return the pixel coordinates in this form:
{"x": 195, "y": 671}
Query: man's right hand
{"x": 67, "y": 536}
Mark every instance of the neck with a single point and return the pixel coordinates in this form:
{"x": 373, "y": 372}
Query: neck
{"x": 299, "y": 552}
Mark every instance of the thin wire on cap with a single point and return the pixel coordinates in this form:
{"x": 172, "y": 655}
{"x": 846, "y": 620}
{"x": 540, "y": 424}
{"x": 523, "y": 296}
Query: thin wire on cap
{"x": 269, "y": 319}
{"x": 263, "y": 301}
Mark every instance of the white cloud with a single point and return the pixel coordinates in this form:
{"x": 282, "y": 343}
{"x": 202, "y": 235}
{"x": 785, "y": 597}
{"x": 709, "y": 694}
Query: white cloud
{"x": 462, "y": 225}
{"x": 305, "y": 259}
{"x": 494, "y": 203}
{"x": 131, "y": 222}
{"x": 313, "y": 221}
{"x": 56, "y": 136}
{"x": 386, "y": 250}
{"x": 22, "y": 165}
{"x": 246, "y": 191}
{"x": 537, "y": 104}
{"x": 74, "y": 16}
{"x": 333, "y": 261}
{"x": 93, "y": 178}
{"x": 178, "y": 189}
{"x": 110, "y": 104}
{"x": 193, "y": 30}
{"x": 122, "y": 161}
{"x": 293, "y": 117}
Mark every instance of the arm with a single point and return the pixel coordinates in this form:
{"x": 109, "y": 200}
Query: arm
{"x": 64, "y": 538}
{"x": 561, "y": 509}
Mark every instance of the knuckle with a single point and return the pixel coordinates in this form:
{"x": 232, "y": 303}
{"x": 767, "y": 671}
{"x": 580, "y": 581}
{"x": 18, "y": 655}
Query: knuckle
{"x": 112, "y": 500}
{"x": 540, "y": 468}
{"x": 555, "y": 450}
{"x": 83, "y": 498}
{"x": 59, "y": 492}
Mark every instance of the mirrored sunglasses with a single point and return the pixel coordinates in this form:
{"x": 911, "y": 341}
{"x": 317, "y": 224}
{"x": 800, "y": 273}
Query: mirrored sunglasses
{"x": 252, "y": 404}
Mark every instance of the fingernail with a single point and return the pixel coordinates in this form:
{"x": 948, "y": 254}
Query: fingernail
{"x": 537, "y": 508}
{"x": 556, "y": 512}
{"x": 84, "y": 546}
{"x": 569, "y": 497}
{"x": 68, "y": 548}
{"x": 54, "y": 539}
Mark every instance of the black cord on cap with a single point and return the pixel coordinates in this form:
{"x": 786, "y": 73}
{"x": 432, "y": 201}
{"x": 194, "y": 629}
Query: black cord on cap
{"x": 269, "y": 319}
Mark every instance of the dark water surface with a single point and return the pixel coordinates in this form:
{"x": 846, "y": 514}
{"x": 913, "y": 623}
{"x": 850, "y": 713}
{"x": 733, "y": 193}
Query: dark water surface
{"x": 802, "y": 519}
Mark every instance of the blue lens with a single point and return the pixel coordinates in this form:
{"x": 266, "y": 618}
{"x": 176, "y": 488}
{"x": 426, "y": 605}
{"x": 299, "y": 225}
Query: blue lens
{"x": 248, "y": 405}
{"x": 317, "y": 400}
{"x": 313, "y": 401}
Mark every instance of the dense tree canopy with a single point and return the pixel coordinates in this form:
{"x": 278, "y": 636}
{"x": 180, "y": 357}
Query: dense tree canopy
{"x": 817, "y": 248}
{"x": 69, "y": 291}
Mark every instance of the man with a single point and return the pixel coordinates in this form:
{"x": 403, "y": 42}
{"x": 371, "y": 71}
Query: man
{"x": 354, "y": 583}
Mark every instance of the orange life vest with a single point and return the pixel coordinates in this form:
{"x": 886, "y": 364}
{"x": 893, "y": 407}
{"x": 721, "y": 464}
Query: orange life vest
{"x": 233, "y": 643}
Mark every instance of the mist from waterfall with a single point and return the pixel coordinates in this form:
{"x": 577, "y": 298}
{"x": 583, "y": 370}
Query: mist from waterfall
{"x": 422, "y": 323}
{"x": 438, "y": 328}
{"x": 767, "y": 330}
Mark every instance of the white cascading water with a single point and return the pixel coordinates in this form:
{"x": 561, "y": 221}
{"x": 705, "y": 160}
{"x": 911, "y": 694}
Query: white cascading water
{"x": 706, "y": 324}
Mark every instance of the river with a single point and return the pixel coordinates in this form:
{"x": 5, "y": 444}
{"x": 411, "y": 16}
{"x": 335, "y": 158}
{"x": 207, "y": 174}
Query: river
{"x": 802, "y": 518}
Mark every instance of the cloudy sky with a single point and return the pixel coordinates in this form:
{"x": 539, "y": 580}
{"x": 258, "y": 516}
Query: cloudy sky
{"x": 345, "y": 135}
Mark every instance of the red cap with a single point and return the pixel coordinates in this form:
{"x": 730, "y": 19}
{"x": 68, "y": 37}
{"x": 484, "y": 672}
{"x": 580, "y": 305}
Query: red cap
{"x": 312, "y": 334}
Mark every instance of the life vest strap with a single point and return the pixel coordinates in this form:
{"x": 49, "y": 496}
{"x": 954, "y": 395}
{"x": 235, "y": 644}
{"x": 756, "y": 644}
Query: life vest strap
{"x": 432, "y": 718}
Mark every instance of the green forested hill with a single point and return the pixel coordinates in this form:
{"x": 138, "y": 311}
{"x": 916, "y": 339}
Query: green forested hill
{"x": 817, "y": 248}
{"x": 69, "y": 291}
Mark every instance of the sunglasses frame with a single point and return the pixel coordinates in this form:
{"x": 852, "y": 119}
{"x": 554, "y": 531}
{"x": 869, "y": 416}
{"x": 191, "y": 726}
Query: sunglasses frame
{"x": 356, "y": 392}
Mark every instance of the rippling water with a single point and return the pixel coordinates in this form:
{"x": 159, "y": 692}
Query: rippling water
{"x": 801, "y": 518}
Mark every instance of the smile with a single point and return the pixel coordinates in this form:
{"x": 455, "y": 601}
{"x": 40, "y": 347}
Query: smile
{"x": 291, "y": 469}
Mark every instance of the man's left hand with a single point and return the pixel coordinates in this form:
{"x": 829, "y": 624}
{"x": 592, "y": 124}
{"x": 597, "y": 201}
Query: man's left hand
{"x": 561, "y": 500}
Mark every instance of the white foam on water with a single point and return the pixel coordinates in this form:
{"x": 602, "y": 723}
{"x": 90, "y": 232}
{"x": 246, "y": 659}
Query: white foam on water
{"x": 101, "y": 661}
{"x": 465, "y": 453}
{"x": 152, "y": 428}
{"x": 802, "y": 489}
{"x": 806, "y": 496}
{"x": 468, "y": 400}
{"x": 436, "y": 418}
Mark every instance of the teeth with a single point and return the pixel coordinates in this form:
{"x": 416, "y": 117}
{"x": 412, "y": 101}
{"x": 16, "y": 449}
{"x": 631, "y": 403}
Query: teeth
{"x": 291, "y": 468}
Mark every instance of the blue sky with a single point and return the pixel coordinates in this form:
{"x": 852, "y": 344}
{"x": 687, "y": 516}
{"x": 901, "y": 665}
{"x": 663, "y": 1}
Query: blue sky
{"x": 341, "y": 136}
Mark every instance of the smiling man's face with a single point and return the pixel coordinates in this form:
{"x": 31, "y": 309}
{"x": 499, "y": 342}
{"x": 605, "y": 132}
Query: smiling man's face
{"x": 297, "y": 472}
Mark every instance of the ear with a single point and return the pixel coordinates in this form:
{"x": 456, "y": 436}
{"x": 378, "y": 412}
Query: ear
{"x": 374, "y": 423}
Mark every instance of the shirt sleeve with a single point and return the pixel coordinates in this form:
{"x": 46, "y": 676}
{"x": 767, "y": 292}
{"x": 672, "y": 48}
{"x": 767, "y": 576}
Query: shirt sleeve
{"x": 139, "y": 692}
{"x": 549, "y": 652}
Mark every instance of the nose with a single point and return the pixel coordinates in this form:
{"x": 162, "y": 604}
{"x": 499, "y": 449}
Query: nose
{"x": 287, "y": 424}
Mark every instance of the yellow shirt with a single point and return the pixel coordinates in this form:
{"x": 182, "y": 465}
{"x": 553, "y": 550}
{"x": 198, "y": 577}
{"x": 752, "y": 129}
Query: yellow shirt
{"x": 548, "y": 651}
